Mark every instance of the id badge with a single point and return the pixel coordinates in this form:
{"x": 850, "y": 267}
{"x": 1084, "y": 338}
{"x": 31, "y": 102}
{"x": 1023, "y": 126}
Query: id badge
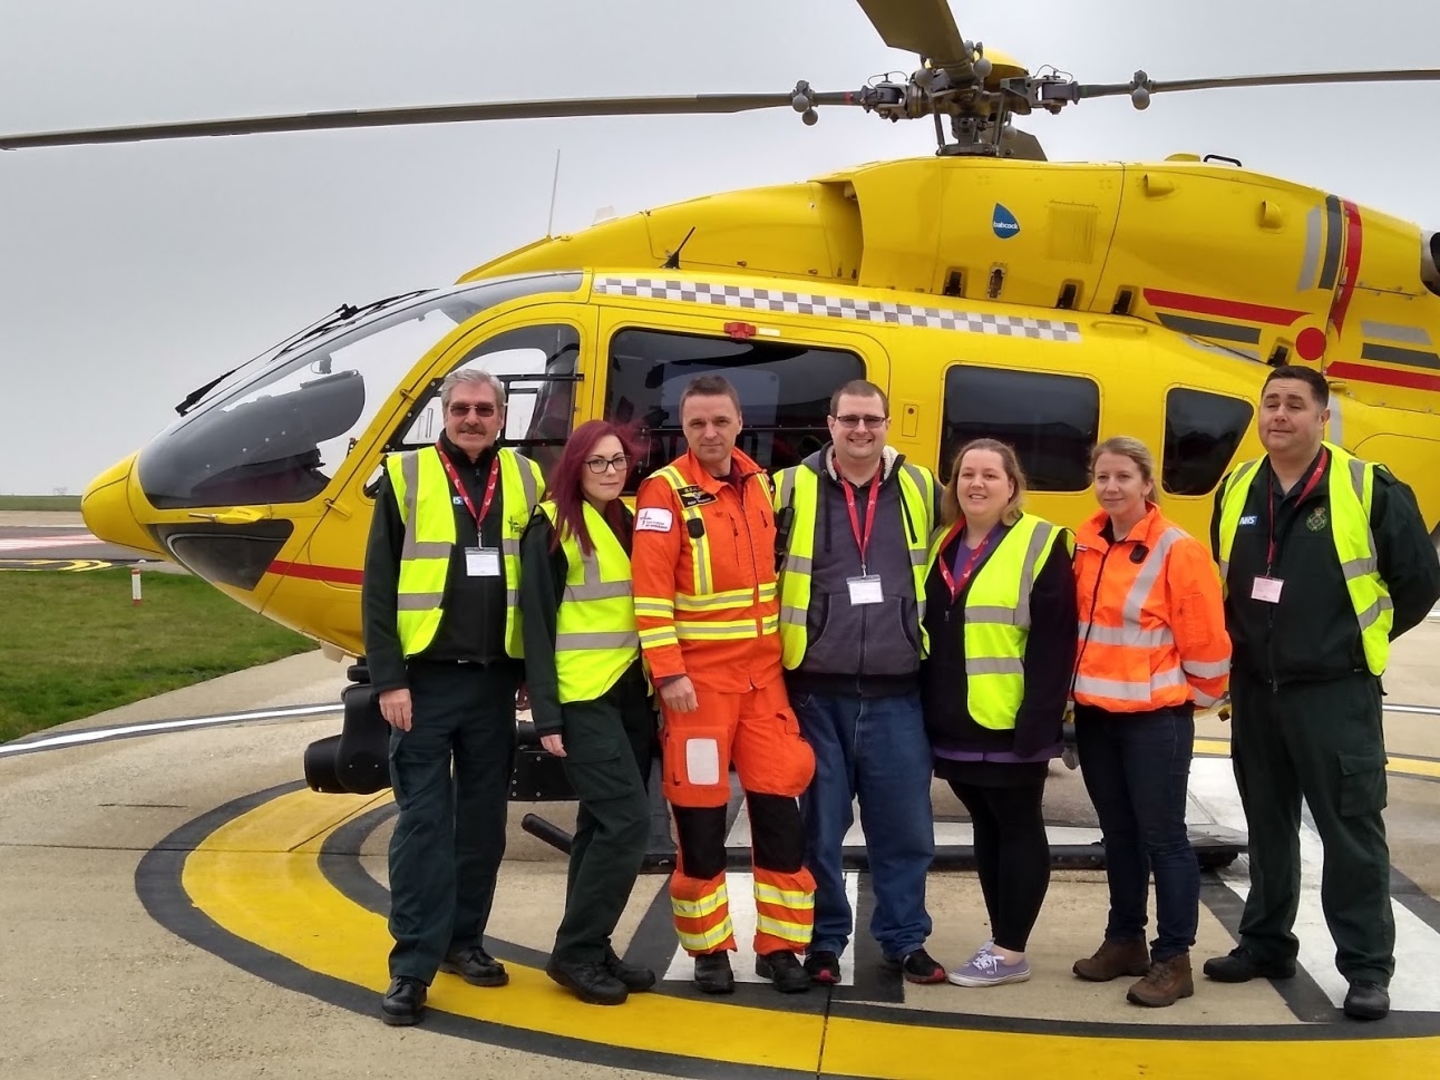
{"x": 865, "y": 590}
{"x": 482, "y": 562}
{"x": 1266, "y": 589}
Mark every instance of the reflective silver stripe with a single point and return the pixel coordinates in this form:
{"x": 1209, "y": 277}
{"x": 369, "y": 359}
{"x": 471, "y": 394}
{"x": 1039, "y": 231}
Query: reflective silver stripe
{"x": 1371, "y": 615}
{"x": 1040, "y": 539}
{"x": 1112, "y": 688}
{"x": 1243, "y": 474}
{"x": 798, "y": 564}
{"x": 1127, "y": 635}
{"x": 994, "y": 665}
{"x": 422, "y": 601}
{"x": 1204, "y": 700}
{"x": 1357, "y": 478}
{"x": 787, "y": 486}
{"x": 609, "y": 639}
{"x": 410, "y": 473}
{"x": 919, "y": 556}
{"x": 425, "y": 549}
{"x": 1356, "y": 568}
{"x": 601, "y": 590}
{"x": 981, "y": 614}
{"x": 527, "y": 483}
{"x": 1173, "y": 677}
{"x": 1149, "y": 574}
{"x": 793, "y": 616}
{"x": 1213, "y": 669}
{"x": 510, "y": 547}
{"x": 512, "y": 597}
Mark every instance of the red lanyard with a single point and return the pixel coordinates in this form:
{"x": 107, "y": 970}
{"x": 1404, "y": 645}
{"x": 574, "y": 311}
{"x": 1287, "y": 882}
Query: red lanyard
{"x": 862, "y": 542}
{"x": 956, "y": 587}
{"x": 1309, "y": 487}
{"x": 460, "y": 488}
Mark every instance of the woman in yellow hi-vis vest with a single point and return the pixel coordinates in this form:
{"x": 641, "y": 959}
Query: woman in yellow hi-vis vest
{"x": 1000, "y": 622}
{"x": 590, "y": 698}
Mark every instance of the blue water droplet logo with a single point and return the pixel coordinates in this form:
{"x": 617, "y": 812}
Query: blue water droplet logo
{"x": 1004, "y": 223}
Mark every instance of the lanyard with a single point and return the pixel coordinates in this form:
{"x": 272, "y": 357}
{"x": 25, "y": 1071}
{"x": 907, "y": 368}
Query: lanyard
{"x": 863, "y": 542}
{"x": 460, "y": 488}
{"x": 1309, "y": 487}
{"x": 956, "y": 587}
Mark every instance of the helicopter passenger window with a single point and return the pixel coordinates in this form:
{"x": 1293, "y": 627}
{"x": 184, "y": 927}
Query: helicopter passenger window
{"x": 784, "y": 392}
{"x": 1052, "y": 421}
{"x": 1202, "y": 433}
{"x": 537, "y": 366}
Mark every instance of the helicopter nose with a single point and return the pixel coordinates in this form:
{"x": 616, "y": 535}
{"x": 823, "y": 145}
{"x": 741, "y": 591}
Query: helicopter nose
{"x": 108, "y": 513}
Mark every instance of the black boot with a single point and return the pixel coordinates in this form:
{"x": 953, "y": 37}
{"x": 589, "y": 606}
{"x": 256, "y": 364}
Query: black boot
{"x": 713, "y": 974}
{"x": 403, "y": 1002}
{"x": 590, "y": 981}
{"x": 476, "y": 967}
{"x": 636, "y": 979}
{"x": 784, "y": 970}
{"x": 1367, "y": 1001}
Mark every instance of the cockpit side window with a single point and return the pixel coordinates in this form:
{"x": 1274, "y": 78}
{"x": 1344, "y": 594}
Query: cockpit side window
{"x": 1202, "y": 433}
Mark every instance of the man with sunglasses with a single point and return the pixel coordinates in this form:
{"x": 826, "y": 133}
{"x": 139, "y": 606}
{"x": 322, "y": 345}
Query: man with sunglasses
{"x": 443, "y": 646}
{"x": 854, "y": 523}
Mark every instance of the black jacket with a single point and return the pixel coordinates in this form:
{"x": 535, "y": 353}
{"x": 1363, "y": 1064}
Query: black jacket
{"x": 1049, "y": 661}
{"x": 472, "y": 623}
{"x": 1312, "y": 633}
{"x": 542, "y": 586}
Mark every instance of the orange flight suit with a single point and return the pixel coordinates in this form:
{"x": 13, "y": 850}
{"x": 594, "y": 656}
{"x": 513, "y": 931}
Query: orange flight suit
{"x": 707, "y": 605}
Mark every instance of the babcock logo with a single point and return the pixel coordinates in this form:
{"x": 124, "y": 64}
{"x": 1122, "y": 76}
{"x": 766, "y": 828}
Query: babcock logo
{"x": 1004, "y": 223}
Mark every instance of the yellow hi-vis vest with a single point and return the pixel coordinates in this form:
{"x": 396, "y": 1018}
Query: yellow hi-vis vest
{"x": 799, "y": 488}
{"x": 1352, "y": 486}
{"x": 997, "y": 619}
{"x": 596, "y": 639}
{"x": 424, "y": 495}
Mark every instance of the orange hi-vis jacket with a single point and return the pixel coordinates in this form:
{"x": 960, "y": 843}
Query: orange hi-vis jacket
{"x": 703, "y": 564}
{"x": 1152, "y": 618}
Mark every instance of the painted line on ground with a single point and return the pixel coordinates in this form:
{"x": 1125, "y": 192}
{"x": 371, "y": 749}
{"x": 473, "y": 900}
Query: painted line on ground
{"x": 35, "y": 743}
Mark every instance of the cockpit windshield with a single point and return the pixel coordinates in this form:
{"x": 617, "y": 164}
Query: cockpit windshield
{"x": 279, "y": 436}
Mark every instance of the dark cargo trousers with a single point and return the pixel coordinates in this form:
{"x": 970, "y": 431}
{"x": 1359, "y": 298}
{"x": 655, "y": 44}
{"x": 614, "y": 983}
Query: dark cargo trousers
{"x": 1323, "y": 741}
{"x": 609, "y": 744}
{"x": 450, "y": 834}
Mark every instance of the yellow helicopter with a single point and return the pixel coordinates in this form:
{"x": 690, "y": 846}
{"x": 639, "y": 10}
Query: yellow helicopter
{"x": 989, "y": 290}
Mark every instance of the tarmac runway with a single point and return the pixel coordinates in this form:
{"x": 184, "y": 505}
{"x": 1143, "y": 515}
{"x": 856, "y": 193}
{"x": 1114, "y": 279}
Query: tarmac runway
{"x": 51, "y": 541}
{"x": 174, "y": 903}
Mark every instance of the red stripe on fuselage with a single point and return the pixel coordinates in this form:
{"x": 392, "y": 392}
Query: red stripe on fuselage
{"x": 1354, "y": 234}
{"x": 1413, "y": 380}
{"x": 1227, "y": 309}
{"x": 336, "y": 575}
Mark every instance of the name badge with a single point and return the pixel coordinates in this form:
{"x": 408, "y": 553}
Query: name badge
{"x": 482, "y": 562}
{"x": 865, "y": 590}
{"x": 1266, "y": 589}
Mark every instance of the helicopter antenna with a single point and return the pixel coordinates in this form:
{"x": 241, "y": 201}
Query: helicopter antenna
{"x": 554, "y": 187}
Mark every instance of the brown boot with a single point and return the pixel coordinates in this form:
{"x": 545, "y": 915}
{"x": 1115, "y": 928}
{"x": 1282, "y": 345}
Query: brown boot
{"x": 1165, "y": 983}
{"x": 1113, "y": 959}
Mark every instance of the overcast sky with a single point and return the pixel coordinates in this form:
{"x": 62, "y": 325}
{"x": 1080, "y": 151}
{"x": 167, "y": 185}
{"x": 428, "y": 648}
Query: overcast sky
{"x": 131, "y": 274}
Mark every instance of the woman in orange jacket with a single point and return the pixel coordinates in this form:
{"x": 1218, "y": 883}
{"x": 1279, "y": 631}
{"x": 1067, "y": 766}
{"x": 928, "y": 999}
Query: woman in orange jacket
{"x": 1152, "y": 646}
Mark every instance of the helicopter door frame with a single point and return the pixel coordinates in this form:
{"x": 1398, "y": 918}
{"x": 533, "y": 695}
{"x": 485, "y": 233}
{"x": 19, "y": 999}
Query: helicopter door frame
{"x": 814, "y": 332}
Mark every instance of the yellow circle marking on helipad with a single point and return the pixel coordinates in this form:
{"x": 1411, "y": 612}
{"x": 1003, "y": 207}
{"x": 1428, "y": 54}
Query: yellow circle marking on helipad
{"x": 258, "y": 877}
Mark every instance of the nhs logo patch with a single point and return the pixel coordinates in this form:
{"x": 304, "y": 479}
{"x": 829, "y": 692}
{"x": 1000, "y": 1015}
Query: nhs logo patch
{"x": 1249, "y": 519}
{"x": 1004, "y": 223}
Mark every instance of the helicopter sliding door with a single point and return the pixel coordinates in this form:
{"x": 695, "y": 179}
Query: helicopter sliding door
{"x": 783, "y": 374}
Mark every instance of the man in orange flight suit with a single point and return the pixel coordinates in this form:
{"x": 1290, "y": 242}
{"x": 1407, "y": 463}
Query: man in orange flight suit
{"x": 708, "y": 610}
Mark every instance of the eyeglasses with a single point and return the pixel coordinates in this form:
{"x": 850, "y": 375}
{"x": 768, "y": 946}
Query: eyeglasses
{"x": 457, "y": 410}
{"x": 602, "y": 465}
{"x": 851, "y": 422}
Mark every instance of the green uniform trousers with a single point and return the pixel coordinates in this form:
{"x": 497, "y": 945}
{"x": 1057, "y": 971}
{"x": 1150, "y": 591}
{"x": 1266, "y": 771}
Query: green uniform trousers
{"x": 609, "y": 744}
{"x": 450, "y": 835}
{"x": 1322, "y": 741}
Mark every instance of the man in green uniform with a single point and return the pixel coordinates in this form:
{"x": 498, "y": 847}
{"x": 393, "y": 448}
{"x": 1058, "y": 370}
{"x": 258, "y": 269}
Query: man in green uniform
{"x": 1326, "y": 560}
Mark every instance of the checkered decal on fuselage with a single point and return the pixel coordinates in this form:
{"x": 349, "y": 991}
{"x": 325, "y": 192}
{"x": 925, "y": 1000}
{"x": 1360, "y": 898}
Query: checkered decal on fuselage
{"x": 794, "y": 303}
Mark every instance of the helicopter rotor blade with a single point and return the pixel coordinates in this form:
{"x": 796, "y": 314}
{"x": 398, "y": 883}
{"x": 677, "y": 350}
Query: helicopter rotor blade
{"x": 1141, "y": 86}
{"x": 925, "y": 27}
{"x": 699, "y": 104}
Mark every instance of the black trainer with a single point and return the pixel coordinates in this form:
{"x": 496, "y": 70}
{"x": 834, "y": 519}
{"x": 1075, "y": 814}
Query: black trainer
{"x": 475, "y": 966}
{"x": 1367, "y": 1001}
{"x": 636, "y": 979}
{"x": 917, "y": 966}
{"x": 403, "y": 1002}
{"x": 590, "y": 982}
{"x": 784, "y": 972}
{"x": 823, "y": 967}
{"x": 713, "y": 974}
{"x": 1241, "y": 965}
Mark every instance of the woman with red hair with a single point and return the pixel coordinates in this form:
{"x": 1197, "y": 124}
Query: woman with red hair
{"x": 590, "y": 699}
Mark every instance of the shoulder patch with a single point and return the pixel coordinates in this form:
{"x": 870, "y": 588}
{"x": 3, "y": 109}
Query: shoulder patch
{"x": 654, "y": 519}
{"x": 694, "y": 495}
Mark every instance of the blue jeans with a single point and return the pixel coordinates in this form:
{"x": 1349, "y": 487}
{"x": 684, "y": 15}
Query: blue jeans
{"x": 1136, "y": 768}
{"x": 876, "y": 749}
